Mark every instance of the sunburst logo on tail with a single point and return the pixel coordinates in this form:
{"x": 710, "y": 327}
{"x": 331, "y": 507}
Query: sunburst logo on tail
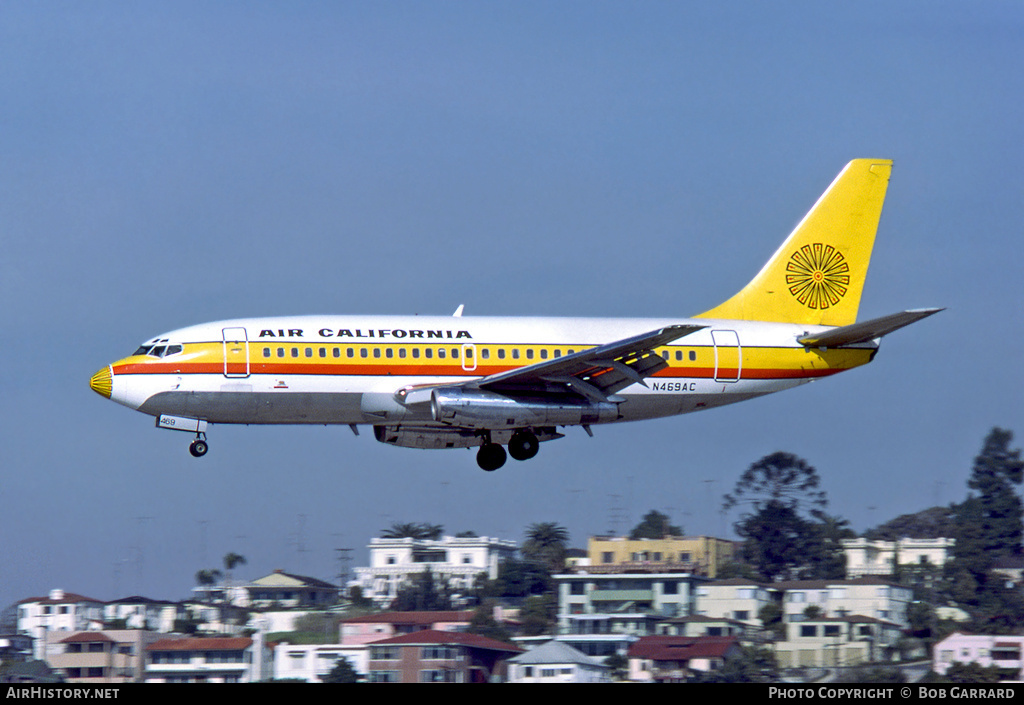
{"x": 817, "y": 275}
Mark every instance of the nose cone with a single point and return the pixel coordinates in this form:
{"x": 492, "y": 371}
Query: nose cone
{"x": 102, "y": 382}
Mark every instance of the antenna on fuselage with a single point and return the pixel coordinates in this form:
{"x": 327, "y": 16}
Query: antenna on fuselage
{"x": 458, "y": 311}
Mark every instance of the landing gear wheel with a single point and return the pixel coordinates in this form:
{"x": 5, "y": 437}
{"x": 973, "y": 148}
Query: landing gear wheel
{"x": 490, "y": 457}
{"x": 523, "y": 445}
{"x": 198, "y": 448}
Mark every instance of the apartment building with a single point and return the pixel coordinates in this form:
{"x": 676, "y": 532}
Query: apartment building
{"x": 458, "y": 560}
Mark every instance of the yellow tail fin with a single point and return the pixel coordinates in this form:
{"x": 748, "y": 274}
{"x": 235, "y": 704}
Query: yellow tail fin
{"x": 817, "y": 276}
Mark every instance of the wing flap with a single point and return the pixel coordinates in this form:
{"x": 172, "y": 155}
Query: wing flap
{"x": 596, "y": 373}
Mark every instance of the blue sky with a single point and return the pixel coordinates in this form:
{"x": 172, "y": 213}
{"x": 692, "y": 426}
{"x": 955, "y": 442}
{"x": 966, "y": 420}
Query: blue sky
{"x": 166, "y": 164}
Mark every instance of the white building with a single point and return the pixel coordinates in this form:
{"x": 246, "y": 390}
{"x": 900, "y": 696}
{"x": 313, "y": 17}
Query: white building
{"x": 143, "y": 613}
{"x": 311, "y": 662}
{"x": 458, "y": 560}
{"x": 864, "y": 557}
{"x": 734, "y": 598}
{"x": 556, "y": 662}
{"x": 208, "y": 660}
{"x": 867, "y": 597}
{"x": 57, "y": 612}
{"x": 1002, "y": 651}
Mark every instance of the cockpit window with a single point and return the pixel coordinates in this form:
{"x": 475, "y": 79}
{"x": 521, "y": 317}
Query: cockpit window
{"x": 158, "y": 350}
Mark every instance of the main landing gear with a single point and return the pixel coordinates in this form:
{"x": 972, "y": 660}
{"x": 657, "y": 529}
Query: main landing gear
{"x": 522, "y": 446}
{"x": 199, "y": 446}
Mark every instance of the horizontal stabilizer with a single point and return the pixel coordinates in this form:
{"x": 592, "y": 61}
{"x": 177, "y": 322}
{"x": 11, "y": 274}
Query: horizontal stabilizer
{"x": 866, "y": 330}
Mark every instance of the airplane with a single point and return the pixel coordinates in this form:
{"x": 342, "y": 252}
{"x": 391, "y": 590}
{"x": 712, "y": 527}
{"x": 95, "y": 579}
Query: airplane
{"x": 487, "y": 382}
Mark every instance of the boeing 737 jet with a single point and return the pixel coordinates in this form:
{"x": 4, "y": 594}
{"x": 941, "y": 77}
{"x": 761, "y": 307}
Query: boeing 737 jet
{"x": 464, "y": 382}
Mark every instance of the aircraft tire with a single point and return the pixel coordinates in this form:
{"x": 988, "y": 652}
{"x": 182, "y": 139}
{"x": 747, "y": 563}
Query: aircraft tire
{"x": 198, "y": 448}
{"x": 523, "y": 445}
{"x": 490, "y": 457}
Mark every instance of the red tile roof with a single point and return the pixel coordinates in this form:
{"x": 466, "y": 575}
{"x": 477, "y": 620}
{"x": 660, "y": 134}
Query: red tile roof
{"x": 201, "y": 644}
{"x": 433, "y": 636}
{"x": 679, "y": 648}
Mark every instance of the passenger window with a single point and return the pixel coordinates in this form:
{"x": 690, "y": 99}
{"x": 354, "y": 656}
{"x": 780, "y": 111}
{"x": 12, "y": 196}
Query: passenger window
{"x": 376, "y": 352}
{"x": 485, "y": 354}
{"x": 280, "y": 352}
{"x": 336, "y": 352}
{"x": 515, "y": 354}
{"x": 266, "y": 352}
{"x": 529, "y": 354}
{"x": 693, "y": 355}
{"x": 401, "y": 352}
{"x": 309, "y": 352}
{"x": 455, "y": 353}
{"x": 350, "y": 352}
{"x": 323, "y": 352}
{"x": 501, "y": 353}
{"x": 363, "y": 352}
{"x": 428, "y": 352}
{"x": 416, "y": 353}
{"x": 469, "y": 353}
{"x": 440, "y": 353}
{"x": 558, "y": 353}
{"x": 543, "y": 354}
{"x": 679, "y": 354}
{"x": 295, "y": 352}
{"x": 389, "y": 352}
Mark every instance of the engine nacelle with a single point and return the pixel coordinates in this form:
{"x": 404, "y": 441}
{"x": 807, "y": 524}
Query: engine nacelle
{"x": 474, "y": 408}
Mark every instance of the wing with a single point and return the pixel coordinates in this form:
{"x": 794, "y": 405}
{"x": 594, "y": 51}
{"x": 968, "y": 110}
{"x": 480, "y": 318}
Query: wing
{"x": 597, "y": 373}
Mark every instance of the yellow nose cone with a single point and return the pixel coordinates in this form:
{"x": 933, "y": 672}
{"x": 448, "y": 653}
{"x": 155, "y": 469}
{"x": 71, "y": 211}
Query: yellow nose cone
{"x": 102, "y": 382}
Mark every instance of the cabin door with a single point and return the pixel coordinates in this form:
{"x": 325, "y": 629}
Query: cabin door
{"x": 236, "y": 352}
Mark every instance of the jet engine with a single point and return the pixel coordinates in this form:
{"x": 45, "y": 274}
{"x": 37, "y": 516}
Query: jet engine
{"x": 475, "y": 408}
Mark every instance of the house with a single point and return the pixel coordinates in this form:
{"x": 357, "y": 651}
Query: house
{"x": 739, "y": 599}
{"x": 701, "y": 625}
{"x": 215, "y": 617}
{"x": 556, "y": 662}
{"x": 833, "y": 642}
{"x": 108, "y": 656}
{"x": 701, "y": 555}
{"x": 374, "y": 627}
{"x": 137, "y": 612}
{"x": 311, "y": 662}
{"x": 867, "y": 596}
{"x": 207, "y": 660}
{"x": 59, "y": 611}
{"x": 673, "y": 659}
{"x": 432, "y": 656}
{"x": 987, "y": 650}
{"x": 457, "y": 560}
{"x": 866, "y": 557}
{"x": 281, "y": 589}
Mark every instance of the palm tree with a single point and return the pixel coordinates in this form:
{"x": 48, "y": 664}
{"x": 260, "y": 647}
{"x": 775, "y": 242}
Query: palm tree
{"x": 413, "y": 530}
{"x": 546, "y": 544}
{"x": 231, "y": 560}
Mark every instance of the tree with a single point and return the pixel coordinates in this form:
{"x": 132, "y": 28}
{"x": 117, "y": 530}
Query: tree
{"x": 232, "y": 561}
{"x": 546, "y": 544}
{"x": 779, "y": 477}
{"x": 342, "y": 673}
{"x": 413, "y": 530}
{"x": 655, "y": 526}
{"x": 424, "y": 593}
{"x": 991, "y": 523}
{"x": 786, "y": 528}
